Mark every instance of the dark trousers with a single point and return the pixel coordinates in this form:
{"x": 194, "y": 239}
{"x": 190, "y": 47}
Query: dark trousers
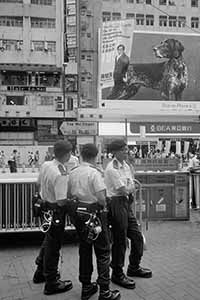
{"x": 102, "y": 251}
{"x": 117, "y": 89}
{"x": 48, "y": 258}
{"x": 124, "y": 225}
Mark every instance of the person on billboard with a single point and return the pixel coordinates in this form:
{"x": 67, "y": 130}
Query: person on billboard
{"x": 120, "y": 72}
{"x": 119, "y": 180}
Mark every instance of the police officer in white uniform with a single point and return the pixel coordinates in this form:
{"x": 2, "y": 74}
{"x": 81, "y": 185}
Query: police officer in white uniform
{"x": 52, "y": 185}
{"x": 120, "y": 187}
{"x": 87, "y": 185}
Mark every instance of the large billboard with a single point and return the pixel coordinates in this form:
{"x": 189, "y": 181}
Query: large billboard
{"x": 161, "y": 66}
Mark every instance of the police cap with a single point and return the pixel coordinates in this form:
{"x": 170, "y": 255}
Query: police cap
{"x": 117, "y": 145}
{"x": 61, "y": 148}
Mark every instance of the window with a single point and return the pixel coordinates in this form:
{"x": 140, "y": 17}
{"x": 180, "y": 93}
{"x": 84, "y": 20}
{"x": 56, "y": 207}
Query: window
{"x": 194, "y": 3}
{"x": 149, "y": 20}
{"x": 139, "y": 19}
{"x": 172, "y": 21}
{"x": 11, "y": 21}
{"x": 43, "y": 2}
{"x": 162, "y": 2}
{"x": 181, "y": 21}
{"x": 48, "y": 79}
{"x": 43, "y": 23}
{"x": 139, "y": 1}
{"x": 15, "y": 100}
{"x": 172, "y": 3}
{"x": 12, "y": 45}
{"x": 116, "y": 16}
{"x": 148, "y": 2}
{"x": 40, "y": 46}
{"x": 14, "y": 78}
{"x": 195, "y": 22}
{"x": 163, "y": 21}
{"x": 130, "y": 1}
{"x": 130, "y": 16}
{"x": 11, "y": 1}
{"x": 106, "y": 16}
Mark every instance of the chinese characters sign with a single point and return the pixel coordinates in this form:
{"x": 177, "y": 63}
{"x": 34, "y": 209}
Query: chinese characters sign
{"x": 166, "y": 127}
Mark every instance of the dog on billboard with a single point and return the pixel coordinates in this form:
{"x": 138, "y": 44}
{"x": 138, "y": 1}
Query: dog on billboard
{"x": 169, "y": 77}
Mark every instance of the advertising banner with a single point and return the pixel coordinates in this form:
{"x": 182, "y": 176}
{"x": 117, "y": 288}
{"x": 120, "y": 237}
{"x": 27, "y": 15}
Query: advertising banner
{"x": 113, "y": 35}
{"x": 163, "y": 67}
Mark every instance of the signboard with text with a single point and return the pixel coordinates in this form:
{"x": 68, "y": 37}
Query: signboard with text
{"x": 165, "y": 127}
{"x": 78, "y": 128}
{"x": 163, "y": 66}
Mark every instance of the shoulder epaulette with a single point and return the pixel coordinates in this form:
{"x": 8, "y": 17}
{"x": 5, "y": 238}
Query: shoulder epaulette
{"x": 96, "y": 168}
{"x": 74, "y": 168}
{"x": 115, "y": 164}
{"x": 62, "y": 170}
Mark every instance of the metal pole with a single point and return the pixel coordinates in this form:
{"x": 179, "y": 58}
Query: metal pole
{"x": 126, "y": 134}
{"x": 64, "y": 91}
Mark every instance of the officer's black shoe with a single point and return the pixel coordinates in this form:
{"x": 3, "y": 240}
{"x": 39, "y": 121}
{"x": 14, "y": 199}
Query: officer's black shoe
{"x": 109, "y": 295}
{"x": 123, "y": 281}
{"x": 38, "y": 277}
{"x": 57, "y": 287}
{"x": 140, "y": 272}
{"x": 88, "y": 290}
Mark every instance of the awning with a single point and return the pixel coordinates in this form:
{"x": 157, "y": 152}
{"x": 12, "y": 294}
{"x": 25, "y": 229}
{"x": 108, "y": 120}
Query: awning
{"x": 30, "y": 67}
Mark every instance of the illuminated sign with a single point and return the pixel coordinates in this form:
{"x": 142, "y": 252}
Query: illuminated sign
{"x": 165, "y": 127}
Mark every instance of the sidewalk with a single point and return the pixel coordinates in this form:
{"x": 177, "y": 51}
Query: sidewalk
{"x": 173, "y": 254}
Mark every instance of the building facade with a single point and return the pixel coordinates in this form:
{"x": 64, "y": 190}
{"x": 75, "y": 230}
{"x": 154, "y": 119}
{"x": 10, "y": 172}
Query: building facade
{"x": 31, "y": 72}
{"x": 156, "y": 15}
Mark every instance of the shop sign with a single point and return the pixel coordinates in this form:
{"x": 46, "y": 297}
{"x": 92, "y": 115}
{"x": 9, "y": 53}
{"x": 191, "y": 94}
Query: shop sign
{"x": 26, "y": 88}
{"x": 15, "y": 123}
{"x": 78, "y": 128}
{"x": 166, "y": 127}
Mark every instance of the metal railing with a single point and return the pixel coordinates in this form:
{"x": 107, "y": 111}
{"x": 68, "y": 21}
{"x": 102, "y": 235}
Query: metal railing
{"x": 15, "y": 204}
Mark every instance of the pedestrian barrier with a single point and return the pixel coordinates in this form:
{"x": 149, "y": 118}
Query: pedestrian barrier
{"x": 165, "y": 195}
{"x": 16, "y": 204}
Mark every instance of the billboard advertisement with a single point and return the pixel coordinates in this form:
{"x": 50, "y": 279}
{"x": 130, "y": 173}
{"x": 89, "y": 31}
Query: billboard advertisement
{"x": 152, "y": 66}
{"x": 114, "y": 36}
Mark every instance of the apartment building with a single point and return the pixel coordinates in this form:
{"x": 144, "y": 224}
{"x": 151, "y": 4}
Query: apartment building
{"x": 159, "y": 15}
{"x": 32, "y": 66}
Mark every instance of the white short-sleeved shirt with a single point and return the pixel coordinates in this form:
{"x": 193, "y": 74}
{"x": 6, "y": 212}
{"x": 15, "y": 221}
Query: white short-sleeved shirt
{"x": 53, "y": 181}
{"x": 118, "y": 175}
{"x": 85, "y": 181}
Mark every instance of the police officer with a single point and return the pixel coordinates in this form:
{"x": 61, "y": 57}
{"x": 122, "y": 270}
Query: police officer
{"x": 52, "y": 184}
{"x": 87, "y": 185}
{"x": 120, "y": 186}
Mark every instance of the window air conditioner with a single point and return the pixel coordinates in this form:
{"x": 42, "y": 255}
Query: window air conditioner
{"x": 2, "y": 45}
{"x": 32, "y": 46}
{"x": 59, "y": 106}
{"x": 45, "y": 46}
{"x": 19, "y": 45}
